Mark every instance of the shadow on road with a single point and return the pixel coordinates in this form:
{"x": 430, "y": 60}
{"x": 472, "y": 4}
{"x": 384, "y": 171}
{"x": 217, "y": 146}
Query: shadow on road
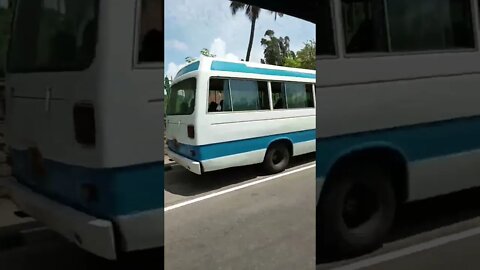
{"x": 419, "y": 217}
{"x": 182, "y": 182}
{"x": 57, "y": 253}
{"x": 428, "y": 215}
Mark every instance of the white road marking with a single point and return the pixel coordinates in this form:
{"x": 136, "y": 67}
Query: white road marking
{"x": 410, "y": 250}
{"x": 216, "y": 194}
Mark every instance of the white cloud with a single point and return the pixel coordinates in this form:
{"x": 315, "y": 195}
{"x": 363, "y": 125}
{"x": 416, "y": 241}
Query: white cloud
{"x": 176, "y": 44}
{"x": 219, "y": 48}
{"x": 173, "y": 68}
{"x": 232, "y": 57}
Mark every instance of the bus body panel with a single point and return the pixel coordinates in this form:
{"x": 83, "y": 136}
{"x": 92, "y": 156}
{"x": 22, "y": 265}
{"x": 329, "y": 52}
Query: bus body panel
{"x": 124, "y": 139}
{"x": 435, "y": 120}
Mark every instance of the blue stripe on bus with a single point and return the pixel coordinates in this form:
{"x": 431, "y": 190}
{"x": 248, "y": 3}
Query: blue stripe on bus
{"x": 243, "y": 68}
{"x": 211, "y": 151}
{"x": 415, "y": 143}
{"x": 190, "y": 68}
{"x": 121, "y": 191}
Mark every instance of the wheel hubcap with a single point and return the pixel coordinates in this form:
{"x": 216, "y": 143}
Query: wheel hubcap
{"x": 360, "y": 205}
{"x": 277, "y": 157}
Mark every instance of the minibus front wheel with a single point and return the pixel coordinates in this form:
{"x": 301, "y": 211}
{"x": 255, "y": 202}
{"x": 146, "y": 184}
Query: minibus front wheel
{"x": 355, "y": 212}
{"x": 277, "y": 157}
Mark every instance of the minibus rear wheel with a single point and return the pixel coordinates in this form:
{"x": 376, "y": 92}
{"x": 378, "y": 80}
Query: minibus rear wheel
{"x": 355, "y": 212}
{"x": 277, "y": 158}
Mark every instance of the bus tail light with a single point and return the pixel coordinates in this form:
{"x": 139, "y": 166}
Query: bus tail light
{"x": 191, "y": 131}
{"x": 84, "y": 121}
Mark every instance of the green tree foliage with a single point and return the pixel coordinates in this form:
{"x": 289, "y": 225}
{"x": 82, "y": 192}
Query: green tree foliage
{"x": 277, "y": 50}
{"x": 252, "y": 12}
{"x": 305, "y": 58}
{"x": 307, "y": 55}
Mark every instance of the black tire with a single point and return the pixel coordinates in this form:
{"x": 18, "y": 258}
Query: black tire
{"x": 277, "y": 158}
{"x": 355, "y": 213}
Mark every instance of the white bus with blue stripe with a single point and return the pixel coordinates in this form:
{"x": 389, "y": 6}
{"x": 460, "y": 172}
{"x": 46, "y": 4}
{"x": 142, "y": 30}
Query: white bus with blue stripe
{"x": 224, "y": 114}
{"x": 398, "y": 116}
{"x": 84, "y": 120}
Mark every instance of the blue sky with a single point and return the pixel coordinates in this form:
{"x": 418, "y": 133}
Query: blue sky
{"x": 191, "y": 25}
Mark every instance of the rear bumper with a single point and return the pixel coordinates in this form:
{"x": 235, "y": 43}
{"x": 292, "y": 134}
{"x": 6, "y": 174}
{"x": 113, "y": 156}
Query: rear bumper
{"x": 191, "y": 165}
{"x": 142, "y": 230}
{"x": 88, "y": 232}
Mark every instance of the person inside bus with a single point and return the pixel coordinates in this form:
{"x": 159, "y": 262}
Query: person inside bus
{"x": 279, "y": 104}
{"x": 212, "y": 107}
{"x": 220, "y": 106}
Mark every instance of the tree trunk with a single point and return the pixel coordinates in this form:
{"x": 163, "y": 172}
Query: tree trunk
{"x": 250, "y": 43}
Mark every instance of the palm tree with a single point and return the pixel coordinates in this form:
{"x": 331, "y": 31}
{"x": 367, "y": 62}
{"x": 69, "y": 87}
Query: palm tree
{"x": 252, "y": 12}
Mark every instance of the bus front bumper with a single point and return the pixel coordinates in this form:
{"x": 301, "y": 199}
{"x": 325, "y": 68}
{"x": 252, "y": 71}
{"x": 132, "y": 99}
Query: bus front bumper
{"x": 89, "y": 233}
{"x": 191, "y": 165}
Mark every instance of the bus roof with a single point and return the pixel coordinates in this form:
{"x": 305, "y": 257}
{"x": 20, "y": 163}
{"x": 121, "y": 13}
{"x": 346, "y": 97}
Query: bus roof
{"x": 222, "y": 65}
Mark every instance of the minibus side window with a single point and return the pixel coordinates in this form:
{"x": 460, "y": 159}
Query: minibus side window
{"x": 325, "y": 36}
{"x": 364, "y": 26}
{"x": 248, "y": 95}
{"x": 278, "y": 96}
{"x": 299, "y": 95}
{"x": 422, "y": 25}
{"x": 151, "y": 41}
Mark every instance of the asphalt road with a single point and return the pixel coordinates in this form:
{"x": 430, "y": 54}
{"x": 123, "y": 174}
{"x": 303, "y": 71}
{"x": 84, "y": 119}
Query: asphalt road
{"x": 440, "y": 233}
{"x": 268, "y": 224}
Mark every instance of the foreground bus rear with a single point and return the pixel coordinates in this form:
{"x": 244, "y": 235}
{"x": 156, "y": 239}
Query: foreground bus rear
{"x": 70, "y": 168}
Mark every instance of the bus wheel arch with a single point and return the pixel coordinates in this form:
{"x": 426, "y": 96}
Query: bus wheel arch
{"x": 392, "y": 159}
{"x": 383, "y": 171}
{"x": 277, "y": 156}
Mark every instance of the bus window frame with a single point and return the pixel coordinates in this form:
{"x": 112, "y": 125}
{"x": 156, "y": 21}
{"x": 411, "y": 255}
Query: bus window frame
{"x": 137, "y": 65}
{"x": 475, "y": 33}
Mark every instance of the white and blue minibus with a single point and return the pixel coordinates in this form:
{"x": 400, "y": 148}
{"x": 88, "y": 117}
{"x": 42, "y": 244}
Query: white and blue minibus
{"x": 223, "y": 114}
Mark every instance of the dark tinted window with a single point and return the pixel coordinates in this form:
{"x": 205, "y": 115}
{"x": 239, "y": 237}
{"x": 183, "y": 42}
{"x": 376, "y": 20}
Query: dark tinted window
{"x": 419, "y": 25}
{"x": 249, "y": 95}
{"x": 279, "y": 97}
{"x": 182, "y": 98}
{"x": 325, "y": 36}
{"x": 219, "y": 96}
{"x": 364, "y": 26}
{"x": 298, "y": 95}
{"x": 53, "y": 35}
{"x": 151, "y": 43}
